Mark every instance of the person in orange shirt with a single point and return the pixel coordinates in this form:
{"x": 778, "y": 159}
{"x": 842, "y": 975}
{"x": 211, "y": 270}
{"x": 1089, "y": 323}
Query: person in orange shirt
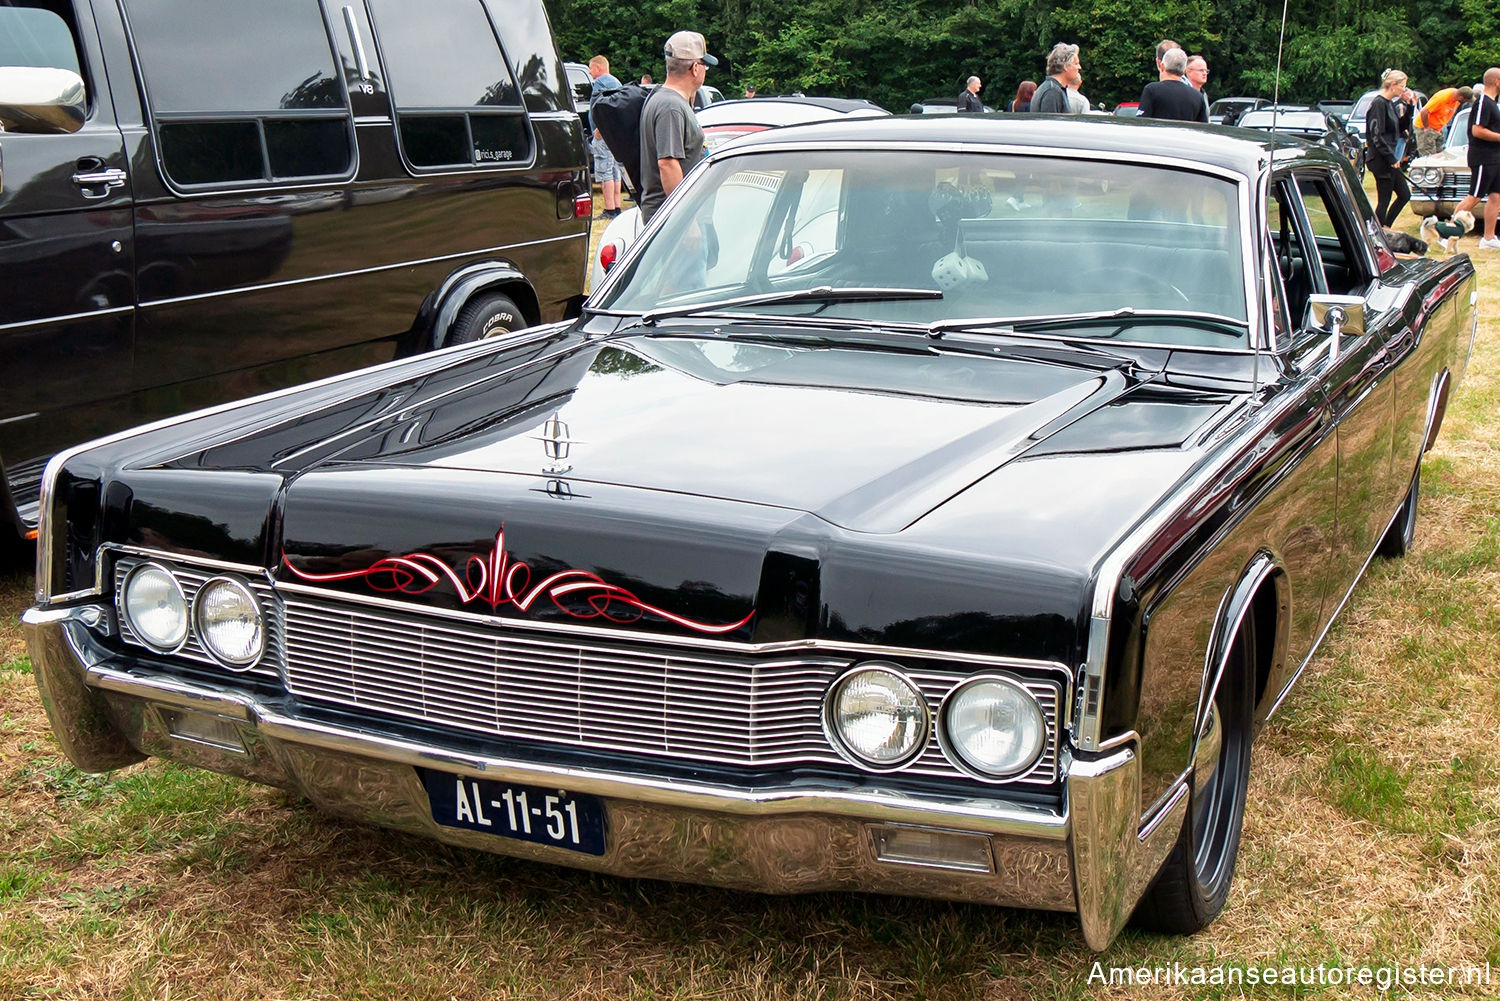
{"x": 1436, "y": 114}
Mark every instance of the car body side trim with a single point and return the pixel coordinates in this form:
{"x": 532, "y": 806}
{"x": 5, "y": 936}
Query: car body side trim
{"x": 336, "y": 275}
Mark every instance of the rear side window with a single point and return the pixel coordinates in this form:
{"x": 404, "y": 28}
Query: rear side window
{"x": 242, "y": 93}
{"x": 456, "y": 102}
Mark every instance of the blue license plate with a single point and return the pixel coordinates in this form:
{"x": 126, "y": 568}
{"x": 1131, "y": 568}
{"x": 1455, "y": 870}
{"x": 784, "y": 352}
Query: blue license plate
{"x": 538, "y": 814}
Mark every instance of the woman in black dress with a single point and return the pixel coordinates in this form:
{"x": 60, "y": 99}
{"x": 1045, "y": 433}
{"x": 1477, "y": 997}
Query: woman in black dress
{"x": 1383, "y": 148}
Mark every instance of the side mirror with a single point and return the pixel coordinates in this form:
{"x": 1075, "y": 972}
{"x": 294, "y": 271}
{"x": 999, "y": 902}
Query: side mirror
{"x": 1337, "y": 315}
{"x": 41, "y": 99}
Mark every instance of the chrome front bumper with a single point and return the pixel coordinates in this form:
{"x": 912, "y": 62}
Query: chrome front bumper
{"x": 1091, "y": 858}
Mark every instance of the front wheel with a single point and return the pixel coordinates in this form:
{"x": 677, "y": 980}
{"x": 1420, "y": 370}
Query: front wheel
{"x": 1193, "y": 884}
{"x": 485, "y": 315}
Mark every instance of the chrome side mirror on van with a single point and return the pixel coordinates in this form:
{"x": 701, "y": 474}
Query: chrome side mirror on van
{"x": 41, "y": 99}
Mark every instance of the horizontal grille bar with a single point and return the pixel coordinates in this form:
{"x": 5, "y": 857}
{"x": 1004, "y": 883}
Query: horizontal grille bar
{"x": 630, "y": 696}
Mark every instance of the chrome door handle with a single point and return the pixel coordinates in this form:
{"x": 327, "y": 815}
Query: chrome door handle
{"x": 114, "y": 177}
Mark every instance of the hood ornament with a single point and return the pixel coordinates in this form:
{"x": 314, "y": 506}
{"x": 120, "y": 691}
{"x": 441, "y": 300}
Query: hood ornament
{"x": 556, "y": 443}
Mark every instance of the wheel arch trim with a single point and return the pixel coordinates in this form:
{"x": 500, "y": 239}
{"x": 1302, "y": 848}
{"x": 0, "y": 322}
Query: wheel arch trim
{"x": 1262, "y": 571}
{"x": 467, "y": 282}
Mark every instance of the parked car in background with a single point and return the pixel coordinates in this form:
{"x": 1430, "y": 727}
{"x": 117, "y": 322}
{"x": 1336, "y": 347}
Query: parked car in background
{"x": 1439, "y": 181}
{"x": 1310, "y": 124}
{"x": 1337, "y": 109}
{"x": 203, "y": 200}
{"x": 1128, "y": 109}
{"x": 728, "y": 120}
{"x": 1226, "y": 110}
{"x": 940, "y": 106}
{"x": 1355, "y": 122}
{"x": 721, "y": 122}
{"x": 581, "y": 83}
{"x": 952, "y": 531}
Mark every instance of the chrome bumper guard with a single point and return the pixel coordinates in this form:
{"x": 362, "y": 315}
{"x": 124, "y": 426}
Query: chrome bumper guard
{"x": 1091, "y": 858}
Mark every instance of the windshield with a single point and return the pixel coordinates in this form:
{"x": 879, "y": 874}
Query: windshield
{"x": 1458, "y": 131}
{"x": 791, "y": 233}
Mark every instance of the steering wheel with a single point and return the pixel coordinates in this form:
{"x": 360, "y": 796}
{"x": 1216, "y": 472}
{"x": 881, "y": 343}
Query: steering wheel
{"x": 1144, "y": 277}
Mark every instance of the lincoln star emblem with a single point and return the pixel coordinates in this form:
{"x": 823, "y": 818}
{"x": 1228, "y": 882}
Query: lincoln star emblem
{"x": 557, "y": 445}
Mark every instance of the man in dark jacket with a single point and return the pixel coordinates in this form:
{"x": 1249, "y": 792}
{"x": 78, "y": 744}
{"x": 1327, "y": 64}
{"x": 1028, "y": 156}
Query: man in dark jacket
{"x": 1064, "y": 70}
{"x": 1172, "y": 97}
{"x": 968, "y": 98}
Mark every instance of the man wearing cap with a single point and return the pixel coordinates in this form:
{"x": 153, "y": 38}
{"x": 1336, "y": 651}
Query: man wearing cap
{"x": 671, "y": 140}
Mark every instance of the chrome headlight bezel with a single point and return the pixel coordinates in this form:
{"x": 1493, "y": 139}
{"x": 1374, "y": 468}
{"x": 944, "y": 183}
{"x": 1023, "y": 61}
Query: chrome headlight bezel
{"x": 145, "y": 636}
{"x": 205, "y": 633}
{"x": 922, "y": 716}
{"x": 956, "y": 753}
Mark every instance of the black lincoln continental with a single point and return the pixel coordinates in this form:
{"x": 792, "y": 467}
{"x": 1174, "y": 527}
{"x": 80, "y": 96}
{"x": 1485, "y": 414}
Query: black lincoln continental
{"x": 924, "y": 507}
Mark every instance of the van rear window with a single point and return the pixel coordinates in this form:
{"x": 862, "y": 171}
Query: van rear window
{"x": 230, "y": 57}
{"x": 471, "y": 113}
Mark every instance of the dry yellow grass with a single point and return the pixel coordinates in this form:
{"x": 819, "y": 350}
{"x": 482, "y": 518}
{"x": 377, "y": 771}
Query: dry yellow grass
{"x": 1372, "y": 837}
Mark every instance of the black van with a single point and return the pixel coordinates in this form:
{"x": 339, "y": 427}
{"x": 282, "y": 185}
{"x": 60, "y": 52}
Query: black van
{"x": 205, "y": 199}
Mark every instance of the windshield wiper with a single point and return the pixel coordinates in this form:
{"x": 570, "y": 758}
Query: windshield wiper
{"x": 1125, "y": 316}
{"x": 823, "y": 293}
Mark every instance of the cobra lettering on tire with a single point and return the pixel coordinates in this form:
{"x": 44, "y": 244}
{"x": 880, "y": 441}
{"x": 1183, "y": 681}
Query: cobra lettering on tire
{"x": 486, "y": 315}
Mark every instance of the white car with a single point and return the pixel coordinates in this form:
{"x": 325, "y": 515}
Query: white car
{"x": 721, "y": 122}
{"x": 1439, "y": 181}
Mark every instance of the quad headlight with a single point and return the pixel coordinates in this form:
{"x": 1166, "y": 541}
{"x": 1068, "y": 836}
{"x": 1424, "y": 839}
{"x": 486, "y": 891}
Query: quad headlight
{"x": 229, "y": 622}
{"x": 155, "y": 608}
{"x": 876, "y": 716}
{"x": 992, "y": 726}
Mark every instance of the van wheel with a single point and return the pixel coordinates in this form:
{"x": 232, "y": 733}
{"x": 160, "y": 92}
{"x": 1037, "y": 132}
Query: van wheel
{"x": 1193, "y": 884}
{"x": 488, "y": 315}
{"x": 1403, "y": 531}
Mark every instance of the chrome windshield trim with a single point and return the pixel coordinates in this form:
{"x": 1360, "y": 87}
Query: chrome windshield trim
{"x": 1243, "y": 183}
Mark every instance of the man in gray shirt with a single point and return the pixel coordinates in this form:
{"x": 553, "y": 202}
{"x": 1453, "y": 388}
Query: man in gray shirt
{"x": 671, "y": 139}
{"x": 1064, "y": 70}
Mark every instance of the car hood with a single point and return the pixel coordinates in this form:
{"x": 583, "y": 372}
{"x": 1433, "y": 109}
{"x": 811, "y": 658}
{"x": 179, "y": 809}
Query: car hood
{"x": 744, "y": 490}
{"x": 1448, "y": 159}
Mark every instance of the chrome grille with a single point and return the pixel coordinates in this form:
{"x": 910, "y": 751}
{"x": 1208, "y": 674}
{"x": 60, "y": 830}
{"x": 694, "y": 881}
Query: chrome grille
{"x": 1452, "y": 188}
{"x": 192, "y": 580}
{"x": 595, "y": 692}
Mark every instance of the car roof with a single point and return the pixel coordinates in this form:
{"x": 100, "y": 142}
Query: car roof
{"x": 1263, "y": 118}
{"x": 1244, "y": 152}
{"x": 785, "y": 110}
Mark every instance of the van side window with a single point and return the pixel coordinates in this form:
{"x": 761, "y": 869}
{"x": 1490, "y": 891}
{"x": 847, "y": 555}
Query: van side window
{"x": 471, "y": 113}
{"x": 242, "y": 93}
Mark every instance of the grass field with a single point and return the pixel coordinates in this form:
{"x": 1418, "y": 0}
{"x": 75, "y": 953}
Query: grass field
{"x": 1372, "y": 838}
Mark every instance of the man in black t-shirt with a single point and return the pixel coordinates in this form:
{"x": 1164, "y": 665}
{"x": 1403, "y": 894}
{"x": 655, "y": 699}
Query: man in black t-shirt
{"x": 1172, "y": 97}
{"x": 968, "y": 98}
{"x": 1484, "y": 157}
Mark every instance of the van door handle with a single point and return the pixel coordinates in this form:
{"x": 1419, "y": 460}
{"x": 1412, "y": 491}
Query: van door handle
{"x": 97, "y": 183}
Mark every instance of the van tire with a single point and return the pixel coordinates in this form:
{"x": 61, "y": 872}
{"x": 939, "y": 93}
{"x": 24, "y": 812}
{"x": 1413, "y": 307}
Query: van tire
{"x": 486, "y": 315}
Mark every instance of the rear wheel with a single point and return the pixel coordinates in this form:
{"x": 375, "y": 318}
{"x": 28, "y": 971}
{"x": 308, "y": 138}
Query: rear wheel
{"x": 485, "y": 315}
{"x": 1403, "y": 531}
{"x": 1194, "y": 882}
